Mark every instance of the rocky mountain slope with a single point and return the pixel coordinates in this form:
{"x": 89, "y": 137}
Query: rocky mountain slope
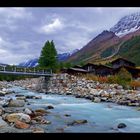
{"x": 127, "y": 24}
{"x": 122, "y": 40}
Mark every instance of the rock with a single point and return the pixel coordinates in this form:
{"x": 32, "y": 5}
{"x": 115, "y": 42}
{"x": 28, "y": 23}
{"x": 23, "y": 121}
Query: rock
{"x": 4, "y": 102}
{"x": 96, "y": 100}
{"x": 43, "y": 121}
{"x": 76, "y": 122}
{"x": 2, "y": 93}
{"x": 30, "y": 96}
{"x": 60, "y": 129}
{"x": 38, "y": 130}
{"x": 50, "y": 107}
{"x": 18, "y": 116}
{"x": 133, "y": 104}
{"x": 37, "y": 118}
{"x": 119, "y": 87}
{"x": 21, "y": 98}
{"x": 78, "y": 96}
{"x": 103, "y": 99}
{"x": 121, "y": 125}
{"x": 1, "y": 111}
{"x": 2, "y": 123}
{"x": 68, "y": 93}
{"x": 67, "y": 115}
{"x": 19, "y": 95}
{"x": 21, "y": 125}
{"x": 33, "y": 122}
{"x": 37, "y": 97}
{"x": 138, "y": 109}
{"x": 27, "y": 111}
{"x": 16, "y": 103}
{"x": 40, "y": 112}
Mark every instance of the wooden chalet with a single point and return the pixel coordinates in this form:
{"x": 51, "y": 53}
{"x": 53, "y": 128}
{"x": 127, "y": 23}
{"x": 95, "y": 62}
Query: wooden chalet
{"x": 122, "y": 62}
{"x": 104, "y": 70}
{"x": 90, "y": 67}
{"x": 76, "y": 71}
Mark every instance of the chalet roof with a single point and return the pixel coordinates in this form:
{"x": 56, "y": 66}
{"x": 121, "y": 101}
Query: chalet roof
{"x": 130, "y": 67}
{"x": 78, "y": 69}
{"x": 123, "y": 60}
{"x": 91, "y": 64}
{"x": 104, "y": 66}
{"x": 77, "y": 66}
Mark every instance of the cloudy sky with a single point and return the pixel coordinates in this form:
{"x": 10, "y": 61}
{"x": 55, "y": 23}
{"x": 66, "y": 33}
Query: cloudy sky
{"x": 23, "y": 31}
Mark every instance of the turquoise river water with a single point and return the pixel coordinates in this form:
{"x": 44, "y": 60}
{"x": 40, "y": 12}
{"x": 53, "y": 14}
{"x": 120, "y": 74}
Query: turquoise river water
{"x": 101, "y": 117}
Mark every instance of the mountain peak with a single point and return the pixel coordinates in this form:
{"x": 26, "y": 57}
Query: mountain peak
{"x": 127, "y": 24}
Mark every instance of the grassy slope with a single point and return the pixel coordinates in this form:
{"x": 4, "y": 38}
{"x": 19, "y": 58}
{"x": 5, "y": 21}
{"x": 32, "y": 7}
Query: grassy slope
{"x": 131, "y": 50}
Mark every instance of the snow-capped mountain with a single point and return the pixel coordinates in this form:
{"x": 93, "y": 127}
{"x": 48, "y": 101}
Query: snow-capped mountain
{"x": 34, "y": 62}
{"x": 127, "y": 24}
{"x": 29, "y": 63}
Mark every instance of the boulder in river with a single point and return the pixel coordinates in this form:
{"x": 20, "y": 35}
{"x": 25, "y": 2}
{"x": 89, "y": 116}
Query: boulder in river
{"x": 76, "y": 122}
{"x": 27, "y": 111}
{"x": 38, "y": 130}
{"x": 21, "y": 98}
{"x": 18, "y": 116}
{"x": 16, "y": 103}
{"x": 50, "y": 107}
{"x": 96, "y": 100}
{"x": 2, "y": 123}
{"x": 67, "y": 115}
{"x": 2, "y": 93}
{"x": 121, "y": 125}
{"x": 21, "y": 125}
{"x": 40, "y": 112}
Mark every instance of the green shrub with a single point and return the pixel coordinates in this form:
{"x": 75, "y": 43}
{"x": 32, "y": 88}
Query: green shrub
{"x": 124, "y": 77}
{"x": 113, "y": 79}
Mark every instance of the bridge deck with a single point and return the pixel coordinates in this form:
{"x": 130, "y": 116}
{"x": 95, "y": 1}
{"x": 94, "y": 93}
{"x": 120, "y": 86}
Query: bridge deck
{"x": 27, "y": 73}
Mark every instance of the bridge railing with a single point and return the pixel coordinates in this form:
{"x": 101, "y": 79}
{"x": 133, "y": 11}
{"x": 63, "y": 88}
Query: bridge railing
{"x": 25, "y": 70}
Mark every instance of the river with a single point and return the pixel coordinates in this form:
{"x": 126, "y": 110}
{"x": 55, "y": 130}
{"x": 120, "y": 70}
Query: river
{"x": 101, "y": 117}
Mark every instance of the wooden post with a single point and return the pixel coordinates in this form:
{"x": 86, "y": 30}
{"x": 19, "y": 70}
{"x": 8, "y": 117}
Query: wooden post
{"x": 25, "y": 70}
{"x": 15, "y": 69}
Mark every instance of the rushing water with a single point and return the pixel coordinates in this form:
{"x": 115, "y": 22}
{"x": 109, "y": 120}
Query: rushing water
{"x": 101, "y": 117}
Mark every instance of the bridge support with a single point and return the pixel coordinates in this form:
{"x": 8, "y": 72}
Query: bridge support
{"x": 43, "y": 84}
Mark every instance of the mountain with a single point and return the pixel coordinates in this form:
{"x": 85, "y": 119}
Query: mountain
{"x": 29, "y": 63}
{"x": 34, "y": 62}
{"x": 92, "y": 50}
{"x": 3, "y": 65}
{"x": 127, "y": 24}
{"x": 121, "y": 40}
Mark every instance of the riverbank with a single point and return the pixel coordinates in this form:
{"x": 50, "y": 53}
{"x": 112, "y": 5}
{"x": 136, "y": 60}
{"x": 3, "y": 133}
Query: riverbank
{"x": 79, "y": 87}
{"x": 26, "y": 110}
{"x": 33, "y": 112}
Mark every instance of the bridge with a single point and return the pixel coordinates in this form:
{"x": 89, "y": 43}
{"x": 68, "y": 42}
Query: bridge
{"x": 25, "y": 71}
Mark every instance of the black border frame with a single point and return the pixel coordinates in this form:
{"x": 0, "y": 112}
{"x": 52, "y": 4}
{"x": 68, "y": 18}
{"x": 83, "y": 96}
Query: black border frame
{"x": 71, "y": 3}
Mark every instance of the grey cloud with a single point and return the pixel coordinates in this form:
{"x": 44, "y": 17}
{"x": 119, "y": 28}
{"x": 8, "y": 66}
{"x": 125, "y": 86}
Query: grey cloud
{"x": 70, "y": 28}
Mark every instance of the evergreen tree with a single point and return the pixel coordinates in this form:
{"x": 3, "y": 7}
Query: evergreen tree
{"x": 48, "y": 57}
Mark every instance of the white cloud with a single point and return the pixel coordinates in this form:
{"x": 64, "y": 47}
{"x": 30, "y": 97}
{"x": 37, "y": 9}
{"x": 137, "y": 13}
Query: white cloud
{"x": 11, "y": 16}
{"x": 52, "y": 27}
{"x": 15, "y": 13}
{"x": 16, "y": 52}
